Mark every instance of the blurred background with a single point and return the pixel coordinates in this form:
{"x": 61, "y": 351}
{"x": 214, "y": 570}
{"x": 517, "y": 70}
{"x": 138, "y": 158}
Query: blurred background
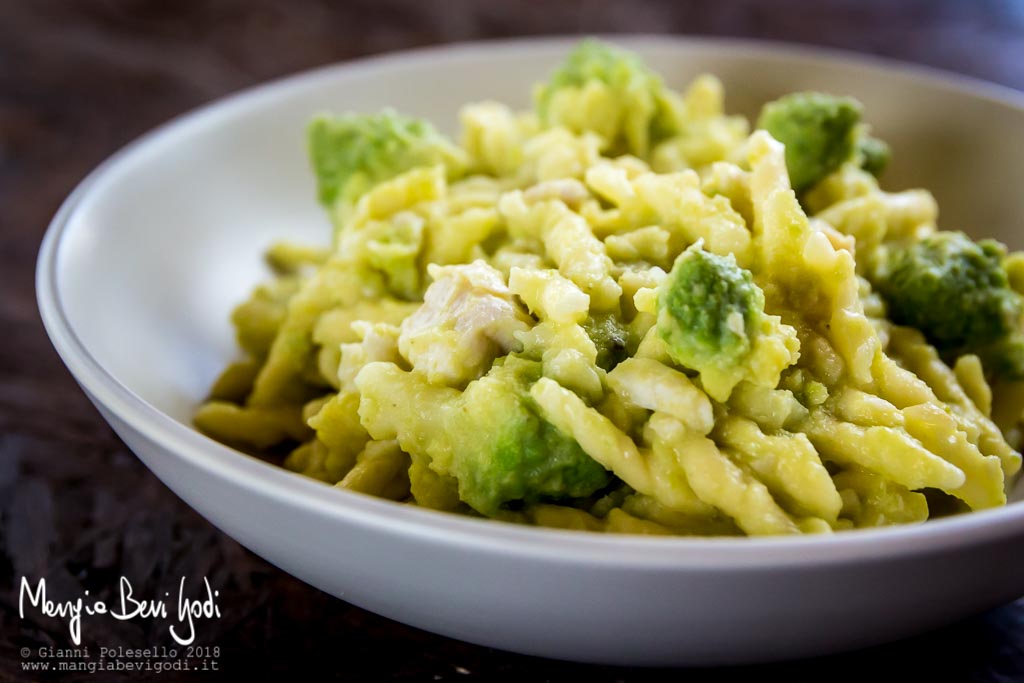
{"x": 80, "y": 78}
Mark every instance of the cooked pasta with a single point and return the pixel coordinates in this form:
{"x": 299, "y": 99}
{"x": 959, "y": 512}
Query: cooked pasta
{"x": 626, "y": 311}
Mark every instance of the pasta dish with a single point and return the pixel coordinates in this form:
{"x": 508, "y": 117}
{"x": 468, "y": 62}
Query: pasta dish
{"x": 628, "y": 311}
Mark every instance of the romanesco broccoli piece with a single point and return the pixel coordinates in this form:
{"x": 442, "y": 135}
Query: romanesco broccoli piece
{"x": 490, "y": 437}
{"x": 707, "y": 310}
{"x": 611, "y": 92}
{"x": 711, "y": 316}
{"x": 955, "y": 291}
{"x": 351, "y": 153}
{"x": 821, "y": 132}
{"x": 873, "y": 154}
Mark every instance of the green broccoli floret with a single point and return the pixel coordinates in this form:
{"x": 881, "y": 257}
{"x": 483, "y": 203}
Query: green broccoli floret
{"x": 711, "y": 318}
{"x": 957, "y": 293}
{"x": 595, "y": 60}
{"x": 490, "y": 438}
{"x": 351, "y": 153}
{"x": 873, "y": 154}
{"x": 511, "y": 453}
{"x": 708, "y": 310}
{"x": 610, "y": 91}
{"x": 821, "y": 132}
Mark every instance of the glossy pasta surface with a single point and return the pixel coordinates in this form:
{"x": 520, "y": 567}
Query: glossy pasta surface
{"x": 615, "y": 313}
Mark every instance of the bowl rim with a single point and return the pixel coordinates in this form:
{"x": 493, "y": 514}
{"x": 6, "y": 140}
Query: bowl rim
{"x": 554, "y": 545}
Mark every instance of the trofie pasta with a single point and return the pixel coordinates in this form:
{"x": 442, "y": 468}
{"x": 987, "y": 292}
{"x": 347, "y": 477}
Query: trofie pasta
{"x": 627, "y": 311}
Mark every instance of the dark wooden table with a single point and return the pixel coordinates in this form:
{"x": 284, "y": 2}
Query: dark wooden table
{"x": 78, "y": 79}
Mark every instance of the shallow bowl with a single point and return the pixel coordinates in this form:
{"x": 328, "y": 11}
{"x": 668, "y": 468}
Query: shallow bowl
{"x": 144, "y": 261}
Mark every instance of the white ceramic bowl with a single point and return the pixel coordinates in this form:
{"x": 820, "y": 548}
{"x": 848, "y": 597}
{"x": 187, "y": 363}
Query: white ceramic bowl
{"x": 144, "y": 261}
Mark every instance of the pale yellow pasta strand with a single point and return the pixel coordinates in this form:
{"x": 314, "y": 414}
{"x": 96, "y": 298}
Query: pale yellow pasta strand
{"x": 923, "y": 360}
{"x": 423, "y": 184}
{"x": 849, "y": 330}
{"x": 492, "y": 136}
{"x": 595, "y": 433}
{"x": 473, "y": 192}
{"x": 704, "y": 98}
{"x": 562, "y": 517}
{"x": 863, "y": 218}
{"x": 718, "y": 481}
{"x": 626, "y": 416}
{"x": 898, "y": 385}
{"x": 732, "y": 182}
{"x": 632, "y": 280}
{"x": 681, "y": 207}
{"x": 574, "y": 370}
{"x": 569, "y": 356}
{"x": 864, "y": 409}
{"x": 259, "y": 427}
{"x": 701, "y": 143}
{"x": 308, "y": 459}
{"x": 235, "y": 382}
{"x": 780, "y": 223}
{"x": 656, "y": 473}
{"x": 581, "y": 257}
{"x": 887, "y": 451}
{"x": 287, "y": 258}
{"x": 772, "y": 409}
{"x": 618, "y": 521}
{"x": 880, "y": 216}
{"x": 846, "y": 182}
{"x": 816, "y": 525}
{"x": 376, "y": 471}
{"x": 610, "y": 182}
{"x": 338, "y": 428}
{"x": 805, "y": 259}
{"x": 549, "y": 295}
{"x": 971, "y": 377}
{"x": 704, "y": 521}
{"x": 456, "y": 238}
{"x": 558, "y": 153}
{"x": 1008, "y": 407}
{"x": 649, "y": 384}
{"x": 342, "y": 282}
{"x": 939, "y": 433}
{"x": 871, "y": 500}
{"x": 787, "y": 464}
{"x": 670, "y": 484}
{"x": 650, "y": 244}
